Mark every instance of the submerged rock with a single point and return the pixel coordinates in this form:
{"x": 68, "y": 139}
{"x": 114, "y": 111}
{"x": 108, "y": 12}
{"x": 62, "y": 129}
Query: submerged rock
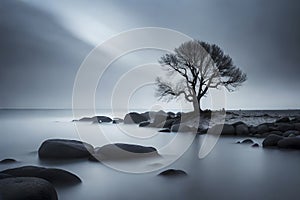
{"x": 173, "y": 173}
{"x": 271, "y": 140}
{"x": 64, "y": 149}
{"x": 7, "y": 161}
{"x": 55, "y": 176}
{"x": 26, "y": 188}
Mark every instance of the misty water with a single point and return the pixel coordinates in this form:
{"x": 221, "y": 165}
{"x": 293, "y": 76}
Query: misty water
{"x": 230, "y": 171}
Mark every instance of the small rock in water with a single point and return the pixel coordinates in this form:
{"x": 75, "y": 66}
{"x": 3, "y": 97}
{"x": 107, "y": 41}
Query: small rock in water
{"x": 7, "y": 161}
{"x": 255, "y": 145}
{"x": 290, "y": 143}
{"x": 173, "y": 172}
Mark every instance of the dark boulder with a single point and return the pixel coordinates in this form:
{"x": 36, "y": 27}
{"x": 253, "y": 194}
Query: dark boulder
{"x": 255, "y": 145}
{"x": 284, "y": 126}
{"x": 106, "y": 119}
{"x": 290, "y": 143}
{"x": 271, "y": 140}
{"x": 54, "y": 176}
{"x": 64, "y": 149}
{"x": 119, "y": 151}
{"x": 95, "y": 119}
{"x": 134, "y": 118}
{"x": 26, "y": 188}
{"x": 297, "y": 126}
{"x": 173, "y": 173}
{"x": 263, "y": 128}
{"x": 225, "y": 129}
{"x": 242, "y": 129}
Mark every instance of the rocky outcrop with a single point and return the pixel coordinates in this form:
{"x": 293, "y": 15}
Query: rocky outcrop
{"x": 7, "y": 161}
{"x": 64, "y": 149}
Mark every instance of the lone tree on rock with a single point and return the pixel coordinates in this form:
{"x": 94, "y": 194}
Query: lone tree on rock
{"x": 200, "y": 66}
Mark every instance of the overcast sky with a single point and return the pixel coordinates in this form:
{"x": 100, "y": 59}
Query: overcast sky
{"x": 43, "y": 43}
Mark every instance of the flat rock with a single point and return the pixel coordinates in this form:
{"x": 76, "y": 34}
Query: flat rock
{"x": 173, "y": 173}
{"x": 64, "y": 149}
{"x": 54, "y": 176}
{"x": 26, "y": 188}
{"x": 119, "y": 151}
{"x": 271, "y": 140}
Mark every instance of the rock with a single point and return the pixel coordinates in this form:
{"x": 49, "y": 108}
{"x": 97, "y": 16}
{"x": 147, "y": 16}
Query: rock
{"x": 283, "y": 120}
{"x": 165, "y": 130}
{"x": 26, "y": 188}
{"x": 290, "y": 143}
{"x": 284, "y": 126}
{"x": 173, "y": 173}
{"x": 64, "y": 149}
{"x": 287, "y": 133}
{"x": 242, "y": 129}
{"x": 7, "y": 161}
{"x": 271, "y": 140}
{"x": 297, "y": 126}
{"x": 95, "y": 119}
{"x": 54, "y": 176}
{"x": 182, "y": 128}
{"x": 102, "y": 119}
{"x": 117, "y": 120}
{"x": 276, "y": 133}
{"x": 134, "y": 118}
{"x": 252, "y": 129}
{"x": 263, "y": 128}
{"x": 144, "y": 124}
{"x": 119, "y": 151}
{"x": 247, "y": 141}
{"x": 225, "y": 129}
{"x": 2, "y": 176}
{"x": 255, "y": 145}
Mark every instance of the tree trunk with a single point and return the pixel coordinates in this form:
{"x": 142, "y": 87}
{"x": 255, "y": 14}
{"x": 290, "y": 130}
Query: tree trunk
{"x": 196, "y": 106}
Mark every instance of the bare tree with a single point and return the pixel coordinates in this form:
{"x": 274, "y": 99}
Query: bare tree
{"x": 200, "y": 66}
